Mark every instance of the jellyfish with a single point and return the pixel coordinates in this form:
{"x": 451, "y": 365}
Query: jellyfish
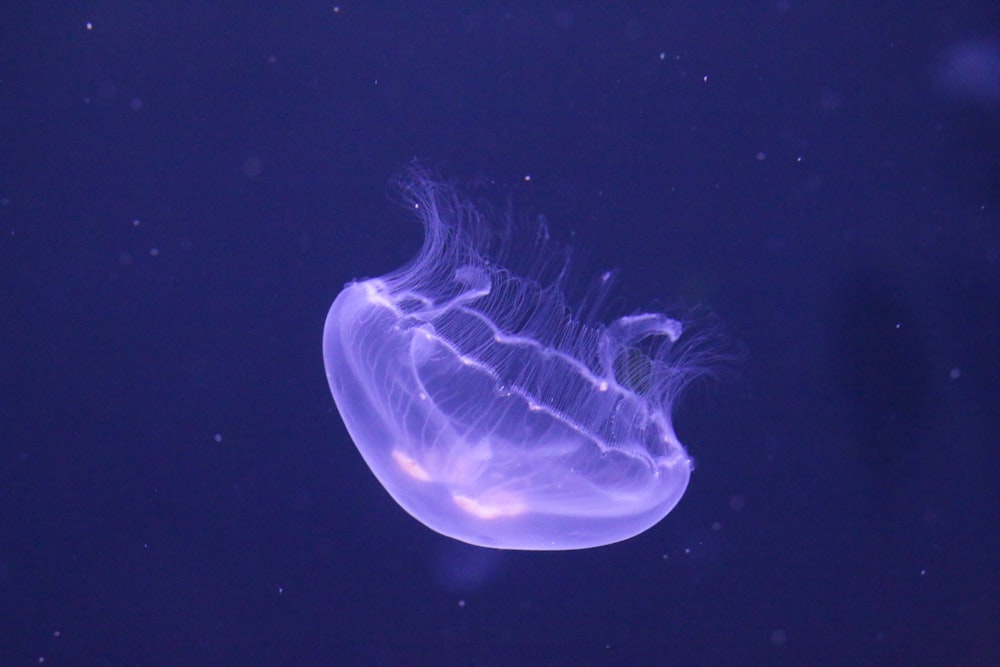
{"x": 491, "y": 410}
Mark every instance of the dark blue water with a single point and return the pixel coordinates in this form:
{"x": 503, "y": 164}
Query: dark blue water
{"x": 184, "y": 189}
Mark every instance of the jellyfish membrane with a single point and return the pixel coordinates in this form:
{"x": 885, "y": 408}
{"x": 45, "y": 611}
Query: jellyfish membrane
{"x": 488, "y": 408}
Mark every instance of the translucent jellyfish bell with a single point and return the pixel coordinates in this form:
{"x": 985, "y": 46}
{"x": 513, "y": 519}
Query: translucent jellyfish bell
{"x": 488, "y": 410}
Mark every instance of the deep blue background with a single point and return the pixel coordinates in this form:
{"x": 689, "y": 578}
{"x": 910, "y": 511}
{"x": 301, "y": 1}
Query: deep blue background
{"x": 184, "y": 188}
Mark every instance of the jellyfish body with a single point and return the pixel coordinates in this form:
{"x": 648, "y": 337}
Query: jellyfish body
{"x": 490, "y": 411}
